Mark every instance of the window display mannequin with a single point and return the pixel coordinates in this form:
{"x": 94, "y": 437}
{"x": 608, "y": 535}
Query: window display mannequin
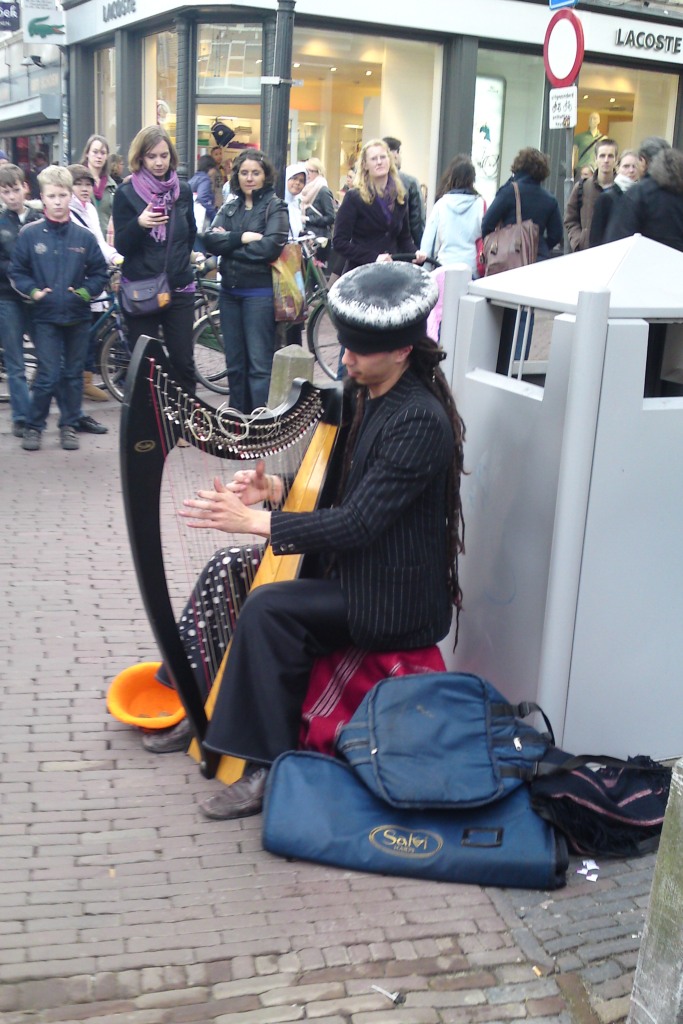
{"x": 585, "y": 143}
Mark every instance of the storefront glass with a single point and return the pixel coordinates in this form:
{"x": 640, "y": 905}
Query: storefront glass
{"x": 105, "y": 93}
{"x": 159, "y": 82}
{"x": 508, "y": 114}
{"x": 351, "y": 88}
{"x": 626, "y": 104}
{"x": 229, "y": 60}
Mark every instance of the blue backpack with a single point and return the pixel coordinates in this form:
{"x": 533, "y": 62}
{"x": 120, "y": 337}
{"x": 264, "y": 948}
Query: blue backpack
{"x": 442, "y": 740}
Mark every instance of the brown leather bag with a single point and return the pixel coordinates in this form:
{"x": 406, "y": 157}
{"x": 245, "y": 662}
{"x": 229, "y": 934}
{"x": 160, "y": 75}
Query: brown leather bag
{"x": 512, "y": 246}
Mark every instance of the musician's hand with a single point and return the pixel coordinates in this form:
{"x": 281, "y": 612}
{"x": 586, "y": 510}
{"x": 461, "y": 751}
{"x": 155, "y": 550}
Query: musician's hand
{"x": 253, "y": 486}
{"x": 223, "y": 510}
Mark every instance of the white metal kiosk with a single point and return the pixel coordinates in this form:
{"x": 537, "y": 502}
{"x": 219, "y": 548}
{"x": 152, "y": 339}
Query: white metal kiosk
{"x": 573, "y": 502}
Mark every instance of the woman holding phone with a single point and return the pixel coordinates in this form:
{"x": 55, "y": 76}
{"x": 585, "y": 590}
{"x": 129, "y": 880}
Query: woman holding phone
{"x": 154, "y": 231}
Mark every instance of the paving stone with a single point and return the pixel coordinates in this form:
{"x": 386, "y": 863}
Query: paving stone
{"x": 114, "y": 892}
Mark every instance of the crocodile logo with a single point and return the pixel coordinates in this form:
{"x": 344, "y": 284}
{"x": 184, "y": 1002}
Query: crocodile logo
{"x": 37, "y": 27}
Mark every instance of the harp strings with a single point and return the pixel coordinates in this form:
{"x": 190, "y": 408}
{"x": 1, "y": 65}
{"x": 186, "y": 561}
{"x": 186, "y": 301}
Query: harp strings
{"x": 209, "y": 574}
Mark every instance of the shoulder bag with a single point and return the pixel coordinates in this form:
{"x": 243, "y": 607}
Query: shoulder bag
{"x": 149, "y": 294}
{"x": 289, "y": 300}
{"x": 512, "y": 246}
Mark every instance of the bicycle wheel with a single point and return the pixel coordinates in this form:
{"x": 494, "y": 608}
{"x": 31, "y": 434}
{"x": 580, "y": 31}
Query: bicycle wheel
{"x": 209, "y": 354}
{"x": 114, "y": 361}
{"x": 322, "y": 340}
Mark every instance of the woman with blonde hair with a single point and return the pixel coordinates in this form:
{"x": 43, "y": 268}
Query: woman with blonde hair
{"x": 96, "y": 158}
{"x": 372, "y": 221}
{"x": 154, "y": 231}
{"x": 317, "y": 202}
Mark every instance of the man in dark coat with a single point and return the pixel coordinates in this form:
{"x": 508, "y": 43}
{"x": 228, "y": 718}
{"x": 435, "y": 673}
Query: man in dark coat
{"x": 416, "y": 209}
{"x": 390, "y": 542}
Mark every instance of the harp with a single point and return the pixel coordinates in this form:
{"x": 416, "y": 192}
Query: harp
{"x": 160, "y": 421}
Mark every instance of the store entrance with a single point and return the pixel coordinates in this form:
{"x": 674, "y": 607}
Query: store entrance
{"x": 247, "y": 128}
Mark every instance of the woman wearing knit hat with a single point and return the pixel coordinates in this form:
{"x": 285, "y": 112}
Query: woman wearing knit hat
{"x": 390, "y": 542}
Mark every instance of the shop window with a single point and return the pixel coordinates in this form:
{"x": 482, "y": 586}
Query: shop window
{"x": 508, "y": 111}
{"x": 229, "y": 60}
{"x": 105, "y": 94}
{"x": 349, "y": 88}
{"x": 160, "y": 81}
{"x": 624, "y": 104}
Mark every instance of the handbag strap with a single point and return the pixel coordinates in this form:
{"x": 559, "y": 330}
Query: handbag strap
{"x": 518, "y": 202}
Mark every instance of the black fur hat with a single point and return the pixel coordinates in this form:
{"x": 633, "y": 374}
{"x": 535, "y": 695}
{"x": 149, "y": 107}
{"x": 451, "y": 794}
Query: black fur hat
{"x": 382, "y": 306}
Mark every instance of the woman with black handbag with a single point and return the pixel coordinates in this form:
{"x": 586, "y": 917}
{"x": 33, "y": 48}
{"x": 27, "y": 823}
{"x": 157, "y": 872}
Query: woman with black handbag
{"x": 249, "y": 233}
{"x": 154, "y": 230}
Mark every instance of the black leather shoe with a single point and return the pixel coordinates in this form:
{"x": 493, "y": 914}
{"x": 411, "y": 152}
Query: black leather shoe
{"x": 87, "y": 425}
{"x": 241, "y": 799}
{"x": 168, "y": 741}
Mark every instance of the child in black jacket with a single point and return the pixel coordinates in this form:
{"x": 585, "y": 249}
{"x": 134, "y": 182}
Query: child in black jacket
{"x": 57, "y": 264}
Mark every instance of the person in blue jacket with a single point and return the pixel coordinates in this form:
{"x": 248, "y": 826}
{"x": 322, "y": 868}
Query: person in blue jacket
{"x": 529, "y": 169}
{"x": 58, "y": 266}
{"x": 202, "y": 187}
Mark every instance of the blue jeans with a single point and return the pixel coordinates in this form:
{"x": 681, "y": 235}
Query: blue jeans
{"x": 15, "y": 320}
{"x": 249, "y": 337}
{"x": 60, "y": 350}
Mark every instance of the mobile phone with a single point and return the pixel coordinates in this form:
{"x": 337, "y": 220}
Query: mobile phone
{"x": 159, "y": 209}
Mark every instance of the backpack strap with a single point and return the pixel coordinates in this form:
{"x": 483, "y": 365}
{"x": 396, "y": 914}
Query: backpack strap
{"x": 503, "y": 710}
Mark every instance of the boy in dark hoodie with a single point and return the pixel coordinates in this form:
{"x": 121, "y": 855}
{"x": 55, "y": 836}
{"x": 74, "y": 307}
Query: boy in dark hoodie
{"x": 14, "y": 314}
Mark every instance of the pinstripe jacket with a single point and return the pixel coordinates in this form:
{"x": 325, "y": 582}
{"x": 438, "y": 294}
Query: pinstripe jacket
{"x": 389, "y": 531}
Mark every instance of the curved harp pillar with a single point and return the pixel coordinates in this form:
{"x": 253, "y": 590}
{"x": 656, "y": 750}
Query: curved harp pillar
{"x": 158, "y": 419}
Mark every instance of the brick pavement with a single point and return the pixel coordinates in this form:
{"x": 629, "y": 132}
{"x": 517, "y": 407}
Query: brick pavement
{"x": 119, "y": 904}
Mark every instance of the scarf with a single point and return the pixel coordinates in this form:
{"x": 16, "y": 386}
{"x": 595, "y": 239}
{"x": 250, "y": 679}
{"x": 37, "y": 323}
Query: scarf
{"x": 310, "y": 191}
{"x": 387, "y": 200}
{"x": 623, "y": 182}
{"x": 100, "y": 186}
{"x": 157, "y": 190}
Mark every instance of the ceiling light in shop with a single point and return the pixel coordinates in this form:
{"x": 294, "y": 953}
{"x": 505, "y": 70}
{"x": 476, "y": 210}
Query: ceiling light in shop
{"x": 368, "y": 73}
{"x": 333, "y": 69}
{"x": 613, "y": 99}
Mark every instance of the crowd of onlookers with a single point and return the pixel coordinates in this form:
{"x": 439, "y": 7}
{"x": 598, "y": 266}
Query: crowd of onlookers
{"x": 63, "y": 229}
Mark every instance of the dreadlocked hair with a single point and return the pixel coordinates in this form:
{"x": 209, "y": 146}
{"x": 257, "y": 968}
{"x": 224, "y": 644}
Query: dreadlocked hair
{"x": 424, "y": 361}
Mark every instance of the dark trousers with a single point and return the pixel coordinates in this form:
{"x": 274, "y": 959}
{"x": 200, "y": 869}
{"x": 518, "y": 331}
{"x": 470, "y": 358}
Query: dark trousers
{"x": 176, "y": 322}
{"x": 249, "y": 337}
{"x": 282, "y": 629}
{"x": 60, "y": 351}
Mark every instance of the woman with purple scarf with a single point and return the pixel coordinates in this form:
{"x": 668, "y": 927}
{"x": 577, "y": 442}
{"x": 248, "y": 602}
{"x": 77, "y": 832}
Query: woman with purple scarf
{"x": 372, "y": 221}
{"x": 154, "y": 231}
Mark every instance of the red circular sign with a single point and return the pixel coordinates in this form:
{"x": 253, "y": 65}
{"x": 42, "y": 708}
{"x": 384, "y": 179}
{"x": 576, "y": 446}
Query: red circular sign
{"x": 563, "y": 49}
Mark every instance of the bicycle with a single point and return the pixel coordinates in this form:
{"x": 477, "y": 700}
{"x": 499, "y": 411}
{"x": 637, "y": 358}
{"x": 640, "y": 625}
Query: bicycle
{"x": 321, "y": 335}
{"x": 115, "y": 353}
